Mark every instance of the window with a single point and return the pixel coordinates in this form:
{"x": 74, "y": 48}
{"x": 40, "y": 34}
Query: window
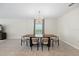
{"x": 38, "y": 28}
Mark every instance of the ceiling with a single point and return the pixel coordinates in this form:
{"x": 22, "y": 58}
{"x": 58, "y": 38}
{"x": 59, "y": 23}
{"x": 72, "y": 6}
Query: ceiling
{"x": 30, "y": 10}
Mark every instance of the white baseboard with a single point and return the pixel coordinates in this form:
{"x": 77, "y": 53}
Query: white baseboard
{"x": 76, "y": 47}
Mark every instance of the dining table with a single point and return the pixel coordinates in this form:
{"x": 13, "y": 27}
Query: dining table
{"x": 39, "y": 38}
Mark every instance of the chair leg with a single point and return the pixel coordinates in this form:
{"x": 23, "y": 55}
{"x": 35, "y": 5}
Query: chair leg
{"x": 26, "y": 42}
{"x": 31, "y": 48}
{"x": 52, "y": 43}
{"x": 58, "y": 42}
{"x": 37, "y": 47}
{"x": 21, "y": 42}
{"x": 48, "y": 48}
{"x": 42, "y": 47}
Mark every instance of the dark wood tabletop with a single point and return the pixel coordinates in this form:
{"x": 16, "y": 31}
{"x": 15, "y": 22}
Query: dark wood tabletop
{"x": 46, "y": 35}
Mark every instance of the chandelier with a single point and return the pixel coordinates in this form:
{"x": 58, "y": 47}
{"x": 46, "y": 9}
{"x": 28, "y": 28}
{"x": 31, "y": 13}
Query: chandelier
{"x": 39, "y": 18}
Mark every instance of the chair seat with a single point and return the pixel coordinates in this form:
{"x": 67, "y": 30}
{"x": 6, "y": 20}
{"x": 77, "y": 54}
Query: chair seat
{"x": 45, "y": 40}
{"x": 53, "y": 38}
{"x": 34, "y": 43}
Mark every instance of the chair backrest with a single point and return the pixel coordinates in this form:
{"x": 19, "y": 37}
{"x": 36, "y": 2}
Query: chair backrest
{"x": 45, "y": 40}
{"x": 34, "y": 40}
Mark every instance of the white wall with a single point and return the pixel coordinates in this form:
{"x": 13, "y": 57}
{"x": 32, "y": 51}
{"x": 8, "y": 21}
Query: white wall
{"x": 51, "y": 26}
{"x": 15, "y": 28}
{"x": 68, "y": 28}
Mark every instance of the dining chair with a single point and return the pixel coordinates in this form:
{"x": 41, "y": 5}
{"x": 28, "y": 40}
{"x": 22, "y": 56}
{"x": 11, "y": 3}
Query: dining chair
{"x": 45, "y": 41}
{"x": 24, "y": 40}
{"x": 34, "y": 41}
{"x": 55, "y": 40}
